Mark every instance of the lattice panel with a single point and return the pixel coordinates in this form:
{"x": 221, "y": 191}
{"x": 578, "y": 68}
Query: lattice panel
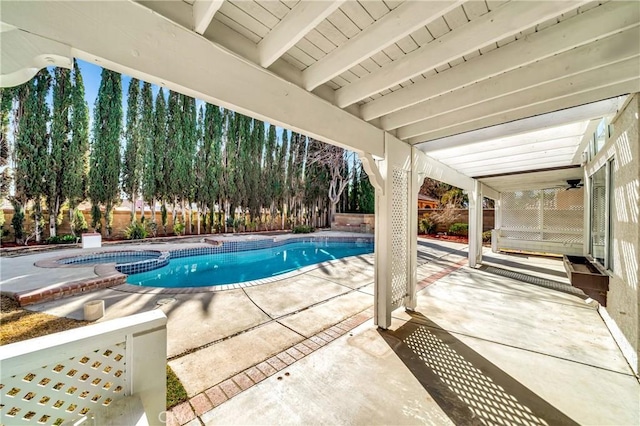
{"x": 563, "y": 210}
{"x": 521, "y": 209}
{"x": 65, "y": 390}
{"x": 399, "y": 235}
{"x": 560, "y": 219}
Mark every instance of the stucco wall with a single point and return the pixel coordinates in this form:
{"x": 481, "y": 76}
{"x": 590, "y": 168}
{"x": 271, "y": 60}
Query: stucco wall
{"x": 623, "y": 298}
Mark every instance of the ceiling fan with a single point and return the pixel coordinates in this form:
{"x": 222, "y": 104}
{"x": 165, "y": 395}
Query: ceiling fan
{"x": 574, "y": 184}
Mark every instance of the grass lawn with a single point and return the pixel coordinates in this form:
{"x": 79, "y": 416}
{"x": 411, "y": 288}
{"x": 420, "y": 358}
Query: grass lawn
{"x": 17, "y": 324}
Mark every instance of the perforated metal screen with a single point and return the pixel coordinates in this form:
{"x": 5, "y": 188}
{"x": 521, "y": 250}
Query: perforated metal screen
{"x": 543, "y": 215}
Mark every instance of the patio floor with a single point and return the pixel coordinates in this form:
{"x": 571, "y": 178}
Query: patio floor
{"x": 508, "y": 343}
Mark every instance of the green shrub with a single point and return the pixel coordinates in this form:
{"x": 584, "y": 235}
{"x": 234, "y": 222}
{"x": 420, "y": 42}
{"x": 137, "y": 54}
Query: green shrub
{"x": 178, "y": 228}
{"x": 135, "y": 231}
{"x": 17, "y": 221}
{"x": 152, "y": 227}
{"x": 303, "y": 229}
{"x": 459, "y": 229}
{"x": 486, "y": 236}
{"x": 61, "y": 239}
{"x": 79, "y": 223}
{"x": 427, "y": 226}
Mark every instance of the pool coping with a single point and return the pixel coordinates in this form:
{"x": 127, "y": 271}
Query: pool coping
{"x": 109, "y": 277}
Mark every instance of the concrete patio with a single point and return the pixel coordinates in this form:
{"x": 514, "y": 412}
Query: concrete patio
{"x": 509, "y": 343}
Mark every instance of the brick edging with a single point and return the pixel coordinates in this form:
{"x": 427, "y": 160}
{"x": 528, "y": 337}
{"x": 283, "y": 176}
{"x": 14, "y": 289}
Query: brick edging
{"x": 209, "y": 399}
{"x": 107, "y": 277}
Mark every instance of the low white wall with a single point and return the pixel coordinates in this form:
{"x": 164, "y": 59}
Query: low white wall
{"x": 66, "y": 375}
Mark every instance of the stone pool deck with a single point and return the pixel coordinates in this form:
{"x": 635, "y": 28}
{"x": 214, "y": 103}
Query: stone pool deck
{"x": 508, "y": 343}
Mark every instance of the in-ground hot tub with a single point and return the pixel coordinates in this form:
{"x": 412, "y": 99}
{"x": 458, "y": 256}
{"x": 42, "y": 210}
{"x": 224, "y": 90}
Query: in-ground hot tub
{"x": 127, "y": 261}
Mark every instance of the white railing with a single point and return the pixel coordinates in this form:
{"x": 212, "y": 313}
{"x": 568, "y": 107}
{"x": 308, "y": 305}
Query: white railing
{"x": 69, "y": 376}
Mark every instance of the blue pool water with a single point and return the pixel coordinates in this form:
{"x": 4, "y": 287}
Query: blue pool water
{"x": 237, "y": 267}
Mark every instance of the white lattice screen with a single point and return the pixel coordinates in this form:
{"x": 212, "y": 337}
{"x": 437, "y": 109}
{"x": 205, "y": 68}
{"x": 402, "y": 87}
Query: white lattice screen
{"x": 399, "y": 236}
{"x": 65, "y": 389}
{"x": 543, "y": 215}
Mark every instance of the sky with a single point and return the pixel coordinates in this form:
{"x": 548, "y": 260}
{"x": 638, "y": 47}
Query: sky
{"x": 91, "y": 75}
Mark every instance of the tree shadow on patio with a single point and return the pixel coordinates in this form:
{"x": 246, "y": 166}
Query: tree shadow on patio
{"x": 468, "y": 387}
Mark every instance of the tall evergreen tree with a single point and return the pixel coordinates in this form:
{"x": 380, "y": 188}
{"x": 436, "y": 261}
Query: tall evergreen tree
{"x": 77, "y": 157}
{"x": 280, "y": 177}
{"x": 148, "y": 155}
{"x": 32, "y": 146}
{"x": 6, "y": 98}
{"x": 60, "y": 143}
{"x": 131, "y": 162}
{"x": 253, "y": 169}
{"x": 209, "y": 159}
{"x": 173, "y": 149}
{"x": 355, "y": 186}
{"x": 189, "y": 119}
{"x": 105, "y": 155}
{"x": 367, "y": 194}
{"x": 268, "y": 171}
{"x": 161, "y": 190}
{"x": 232, "y": 169}
{"x": 17, "y": 96}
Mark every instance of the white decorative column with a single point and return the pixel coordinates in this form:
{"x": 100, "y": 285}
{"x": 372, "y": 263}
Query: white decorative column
{"x": 475, "y": 224}
{"x": 393, "y": 231}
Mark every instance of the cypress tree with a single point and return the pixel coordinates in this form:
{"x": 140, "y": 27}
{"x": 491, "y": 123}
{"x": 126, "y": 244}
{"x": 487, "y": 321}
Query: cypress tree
{"x": 19, "y": 95}
{"x": 160, "y": 154}
{"x": 32, "y": 146}
{"x": 60, "y": 143}
{"x": 148, "y": 155}
{"x": 189, "y": 120}
{"x": 232, "y": 194}
{"x": 253, "y": 169}
{"x": 131, "y": 162}
{"x": 6, "y": 98}
{"x": 77, "y": 157}
{"x": 209, "y": 159}
{"x": 199, "y": 169}
{"x": 243, "y": 178}
{"x": 355, "y": 186}
{"x": 268, "y": 177}
{"x": 215, "y": 170}
{"x": 105, "y": 154}
{"x": 280, "y": 177}
{"x": 367, "y": 194}
{"x": 174, "y": 142}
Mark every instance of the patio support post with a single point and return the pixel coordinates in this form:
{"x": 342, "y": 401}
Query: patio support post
{"x": 475, "y": 224}
{"x": 497, "y": 223}
{"x": 417, "y": 178}
{"x": 392, "y": 179}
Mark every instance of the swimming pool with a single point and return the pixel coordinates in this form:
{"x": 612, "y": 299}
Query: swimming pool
{"x": 237, "y": 267}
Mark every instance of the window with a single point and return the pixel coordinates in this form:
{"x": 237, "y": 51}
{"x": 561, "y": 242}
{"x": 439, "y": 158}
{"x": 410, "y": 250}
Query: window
{"x": 602, "y": 214}
{"x": 612, "y": 212}
{"x": 598, "y": 214}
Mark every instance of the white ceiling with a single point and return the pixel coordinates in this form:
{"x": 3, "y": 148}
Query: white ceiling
{"x": 428, "y": 70}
